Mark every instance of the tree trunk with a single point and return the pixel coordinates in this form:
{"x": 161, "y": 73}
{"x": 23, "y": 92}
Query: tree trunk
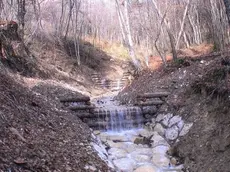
{"x": 21, "y": 16}
{"x": 227, "y": 6}
{"x": 171, "y": 38}
{"x": 126, "y": 31}
{"x": 182, "y": 24}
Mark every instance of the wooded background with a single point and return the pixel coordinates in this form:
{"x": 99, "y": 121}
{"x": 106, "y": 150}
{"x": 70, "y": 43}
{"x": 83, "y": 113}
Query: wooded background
{"x": 158, "y": 26}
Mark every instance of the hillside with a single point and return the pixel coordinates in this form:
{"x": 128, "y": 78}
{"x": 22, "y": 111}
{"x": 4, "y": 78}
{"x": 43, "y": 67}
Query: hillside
{"x": 199, "y": 92}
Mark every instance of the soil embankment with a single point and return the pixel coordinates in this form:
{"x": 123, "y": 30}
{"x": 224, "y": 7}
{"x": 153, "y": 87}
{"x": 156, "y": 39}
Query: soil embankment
{"x": 199, "y": 90}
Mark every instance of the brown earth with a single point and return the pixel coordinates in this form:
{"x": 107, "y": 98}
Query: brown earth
{"x": 199, "y": 90}
{"x": 36, "y": 134}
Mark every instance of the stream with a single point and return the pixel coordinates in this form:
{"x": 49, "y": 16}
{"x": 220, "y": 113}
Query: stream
{"x": 127, "y": 143}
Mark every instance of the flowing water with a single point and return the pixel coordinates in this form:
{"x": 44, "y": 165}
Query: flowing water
{"x": 121, "y": 126}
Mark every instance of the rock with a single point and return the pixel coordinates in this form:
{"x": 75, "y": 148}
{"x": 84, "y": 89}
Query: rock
{"x": 104, "y": 137}
{"x": 97, "y": 132}
{"x": 153, "y": 121}
{"x": 174, "y": 120}
{"x": 144, "y": 141}
{"x": 148, "y": 116}
{"x": 118, "y": 138}
{"x": 144, "y": 133}
{"x": 172, "y": 133}
{"x": 158, "y": 140}
{"x": 142, "y": 151}
{"x": 116, "y": 145}
{"x": 90, "y": 168}
{"x": 150, "y": 126}
{"x": 186, "y": 129}
{"x": 140, "y": 158}
{"x": 160, "y": 117}
{"x": 173, "y": 161}
{"x": 166, "y": 119}
{"x": 160, "y": 150}
{"x": 117, "y": 153}
{"x": 159, "y": 129}
{"x": 149, "y": 110}
{"x": 138, "y": 140}
{"x": 146, "y": 168}
{"x": 180, "y": 125}
{"x": 160, "y": 160}
{"x": 125, "y": 164}
{"x": 133, "y": 138}
{"x": 132, "y": 147}
{"x": 163, "y": 108}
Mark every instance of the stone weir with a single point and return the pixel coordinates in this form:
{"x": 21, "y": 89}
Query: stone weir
{"x": 103, "y": 113}
{"x": 113, "y": 85}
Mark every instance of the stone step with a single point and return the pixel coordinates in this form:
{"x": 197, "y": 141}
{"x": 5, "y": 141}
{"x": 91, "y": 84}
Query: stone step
{"x": 107, "y": 114}
{"x": 109, "y": 125}
{"x": 150, "y": 103}
{"x": 153, "y": 95}
{"x": 81, "y": 107}
{"x": 75, "y": 99}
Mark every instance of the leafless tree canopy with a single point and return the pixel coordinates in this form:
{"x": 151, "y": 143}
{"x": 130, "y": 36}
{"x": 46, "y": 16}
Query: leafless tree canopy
{"x": 161, "y": 26}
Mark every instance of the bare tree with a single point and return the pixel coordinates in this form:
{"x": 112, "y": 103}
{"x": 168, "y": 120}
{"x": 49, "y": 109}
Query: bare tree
{"x": 182, "y": 24}
{"x": 21, "y": 16}
{"x": 227, "y": 6}
{"x": 125, "y": 28}
{"x": 170, "y": 34}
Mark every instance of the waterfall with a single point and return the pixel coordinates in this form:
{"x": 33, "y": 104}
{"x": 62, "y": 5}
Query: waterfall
{"x": 119, "y": 118}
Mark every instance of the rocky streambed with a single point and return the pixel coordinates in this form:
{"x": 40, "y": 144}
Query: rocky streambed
{"x": 143, "y": 148}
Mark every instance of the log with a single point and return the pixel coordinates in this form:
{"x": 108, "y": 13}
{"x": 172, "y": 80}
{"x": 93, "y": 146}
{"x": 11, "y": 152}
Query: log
{"x": 101, "y": 116}
{"x": 150, "y": 103}
{"x": 81, "y": 107}
{"x": 105, "y": 124}
{"x": 149, "y": 110}
{"x": 75, "y": 99}
{"x": 86, "y": 115}
{"x": 153, "y": 95}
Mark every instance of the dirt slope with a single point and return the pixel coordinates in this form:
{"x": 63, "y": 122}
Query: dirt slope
{"x": 199, "y": 90}
{"x": 37, "y": 135}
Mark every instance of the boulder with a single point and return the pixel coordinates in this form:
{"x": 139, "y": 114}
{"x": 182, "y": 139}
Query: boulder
{"x": 186, "y": 129}
{"x": 112, "y": 144}
{"x": 146, "y": 168}
{"x": 125, "y": 164}
{"x": 143, "y": 151}
{"x": 118, "y": 138}
{"x": 159, "y": 129}
{"x": 160, "y": 160}
{"x": 140, "y": 158}
{"x": 160, "y": 150}
{"x": 144, "y": 140}
{"x": 180, "y": 125}
{"x": 166, "y": 119}
{"x": 132, "y": 147}
{"x": 144, "y": 133}
{"x": 117, "y": 153}
{"x": 174, "y": 120}
{"x": 172, "y": 133}
{"x": 149, "y": 110}
{"x": 160, "y": 117}
{"x": 158, "y": 140}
